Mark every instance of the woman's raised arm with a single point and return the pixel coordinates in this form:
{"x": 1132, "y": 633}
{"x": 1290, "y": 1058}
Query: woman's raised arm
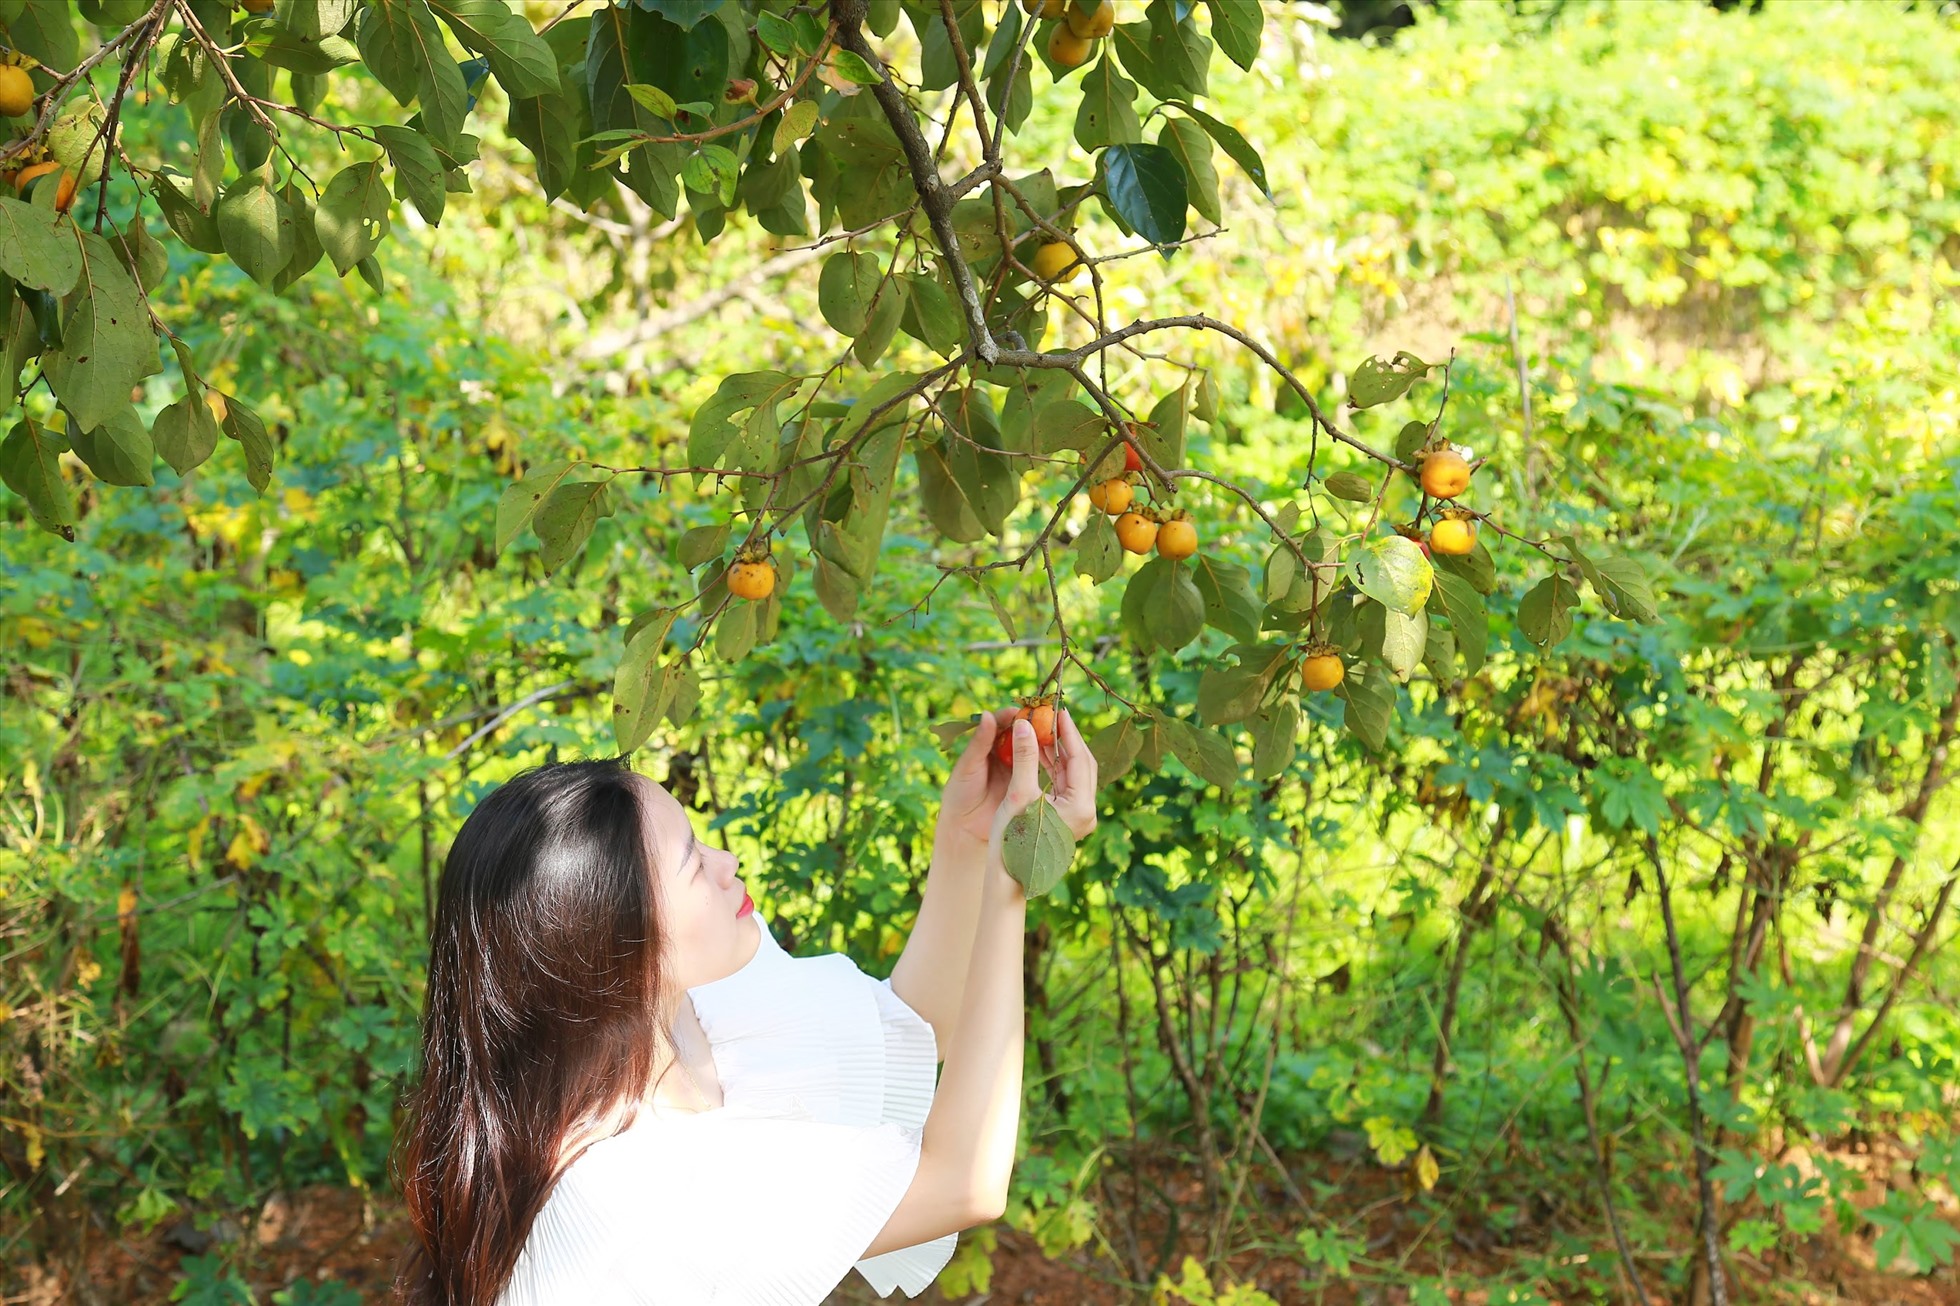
{"x": 967, "y": 1157}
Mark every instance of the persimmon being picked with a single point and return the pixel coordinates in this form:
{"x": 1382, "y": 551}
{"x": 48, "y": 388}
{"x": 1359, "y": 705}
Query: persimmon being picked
{"x": 1037, "y": 712}
{"x": 1445, "y": 474}
{"x": 1136, "y": 532}
{"x": 1113, "y": 496}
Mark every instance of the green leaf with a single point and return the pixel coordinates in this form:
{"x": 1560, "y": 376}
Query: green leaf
{"x": 1393, "y": 572}
{"x": 520, "y": 499}
{"x": 1115, "y": 748}
{"x": 306, "y": 239}
{"x": 642, "y": 691}
{"x": 313, "y": 19}
{"x": 1097, "y": 554}
{"x": 256, "y": 228}
{"x": 38, "y": 247}
{"x": 1162, "y": 437}
{"x": 1188, "y": 142}
{"x": 1138, "y": 601}
{"x": 1628, "y": 593}
{"x": 931, "y": 316}
{"x": 682, "y": 13}
{"x": 403, "y": 47}
{"x": 243, "y": 424}
{"x": 30, "y": 465}
{"x": 1351, "y": 486}
{"x": 1107, "y": 114}
{"x": 1475, "y": 567}
{"x": 1275, "y": 730}
{"x": 699, "y": 544}
{"x": 968, "y": 492}
{"x": 1236, "y": 147}
{"x": 352, "y": 218}
{"x": 565, "y": 519}
{"x": 1230, "y": 605}
{"x": 119, "y": 449}
{"x": 1067, "y": 424}
{"x": 1469, "y": 621}
{"x": 845, "y": 288}
{"x": 518, "y": 57}
{"x": 193, "y": 225}
{"x": 711, "y": 432}
{"x": 546, "y": 125}
{"x": 106, "y": 346}
{"x": 887, "y": 310}
{"x": 854, "y": 69}
{"x": 798, "y": 121}
{"x": 735, "y": 631}
{"x": 146, "y": 260}
{"x": 1545, "y": 614}
{"x": 1236, "y": 26}
{"x": 1177, "y": 610}
{"x": 1233, "y": 693}
{"x": 1377, "y": 382}
{"x": 1370, "y": 699}
{"x": 1037, "y": 847}
{"x": 1169, "y": 57}
{"x": 1145, "y": 186}
{"x": 418, "y": 171}
{"x": 185, "y": 433}
{"x": 1404, "y": 638}
{"x": 642, "y": 687}
{"x": 712, "y": 170}
{"x": 1209, "y": 756}
{"x": 1411, "y": 439}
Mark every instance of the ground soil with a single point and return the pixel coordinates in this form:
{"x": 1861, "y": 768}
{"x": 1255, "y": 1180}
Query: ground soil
{"x": 335, "y": 1233}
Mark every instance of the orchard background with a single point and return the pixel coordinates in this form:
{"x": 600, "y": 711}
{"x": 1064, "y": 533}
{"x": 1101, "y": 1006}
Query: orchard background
{"x": 396, "y": 382}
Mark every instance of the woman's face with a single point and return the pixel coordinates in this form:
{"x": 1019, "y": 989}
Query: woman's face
{"x": 704, "y": 908}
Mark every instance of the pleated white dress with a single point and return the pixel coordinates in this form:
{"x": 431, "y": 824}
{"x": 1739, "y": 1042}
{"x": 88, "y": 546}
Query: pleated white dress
{"x": 826, "y": 1079}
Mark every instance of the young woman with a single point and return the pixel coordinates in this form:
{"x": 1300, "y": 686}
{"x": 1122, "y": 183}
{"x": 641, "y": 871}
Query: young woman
{"x": 630, "y": 1094}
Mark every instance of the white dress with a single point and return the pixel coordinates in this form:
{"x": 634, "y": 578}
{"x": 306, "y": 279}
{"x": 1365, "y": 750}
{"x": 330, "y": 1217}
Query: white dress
{"x": 769, "y": 1200}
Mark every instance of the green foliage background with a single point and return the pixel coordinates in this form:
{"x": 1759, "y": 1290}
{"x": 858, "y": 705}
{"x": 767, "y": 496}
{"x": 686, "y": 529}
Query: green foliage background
{"x": 240, "y": 728}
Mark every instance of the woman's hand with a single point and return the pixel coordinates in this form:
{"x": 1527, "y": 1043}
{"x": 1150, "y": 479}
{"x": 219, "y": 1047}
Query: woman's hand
{"x": 1072, "y": 791}
{"x": 977, "y": 784}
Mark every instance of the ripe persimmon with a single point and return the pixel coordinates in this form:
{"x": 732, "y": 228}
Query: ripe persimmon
{"x": 1037, "y": 712}
{"x": 752, "y": 579}
{"x": 16, "y": 90}
{"x": 1177, "y": 537}
{"x": 1445, "y": 474}
{"x": 1089, "y": 25}
{"x": 1454, "y": 536}
{"x": 1322, "y": 671}
{"x": 1067, "y": 49}
{"x": 1055, "y": 261}
{"x": 1112, "y": 496}
{"x": 1045, "y": 8}
{"x": 1136, "y": 532}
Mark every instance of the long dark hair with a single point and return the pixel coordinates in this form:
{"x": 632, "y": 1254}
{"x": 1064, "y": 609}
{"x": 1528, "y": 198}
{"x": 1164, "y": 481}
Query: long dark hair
{"x": 544, "y": 979}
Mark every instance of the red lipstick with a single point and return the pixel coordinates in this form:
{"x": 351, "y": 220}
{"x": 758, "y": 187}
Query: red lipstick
{"x": 748, "y": 905}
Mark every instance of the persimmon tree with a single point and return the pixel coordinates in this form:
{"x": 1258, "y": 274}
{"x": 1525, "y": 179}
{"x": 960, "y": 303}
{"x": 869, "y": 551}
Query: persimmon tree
{"x": 978, "y": 351}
